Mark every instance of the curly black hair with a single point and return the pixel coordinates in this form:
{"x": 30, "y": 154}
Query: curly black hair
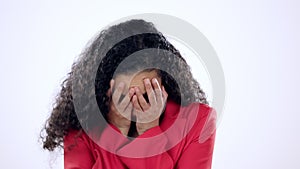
{"x": 106, "y": 52}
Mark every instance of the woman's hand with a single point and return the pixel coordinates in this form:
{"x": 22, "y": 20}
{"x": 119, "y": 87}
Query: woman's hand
{"x": 120, "y": 110}
{"x": 147, "y": 114}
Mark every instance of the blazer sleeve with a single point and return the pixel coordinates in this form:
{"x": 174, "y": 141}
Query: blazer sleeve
{"x": 199, "y": 152}
{"x": 77, "y": 154}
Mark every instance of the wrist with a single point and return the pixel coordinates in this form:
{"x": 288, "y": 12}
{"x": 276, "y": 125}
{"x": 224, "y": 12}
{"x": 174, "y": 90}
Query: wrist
{"x": 124, "y": 129}
{"x": 143, "y": 127}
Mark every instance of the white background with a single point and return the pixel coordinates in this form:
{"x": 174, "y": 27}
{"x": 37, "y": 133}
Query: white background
{"x": 257, "y": 43}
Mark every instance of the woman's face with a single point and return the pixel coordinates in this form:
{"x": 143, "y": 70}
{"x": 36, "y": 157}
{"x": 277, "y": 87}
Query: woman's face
{"x": 136, "y": 80}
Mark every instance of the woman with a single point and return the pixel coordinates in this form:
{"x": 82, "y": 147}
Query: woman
{"x": 146, "y": 93}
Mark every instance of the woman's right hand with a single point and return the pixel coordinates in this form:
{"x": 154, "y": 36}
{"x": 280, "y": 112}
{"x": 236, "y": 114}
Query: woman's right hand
{"x": 120, "y": 110}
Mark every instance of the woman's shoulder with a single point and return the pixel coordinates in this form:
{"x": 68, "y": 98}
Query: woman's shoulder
{"x": 197, "y": 120}
{"x": 204, "y": 109}
{"x": 198, "y": 108}
{"x": 205, "y": 123}
{"x": 204, "y": 112}
{"x": 76, "y": 138}
{"x": 200, "y": 118}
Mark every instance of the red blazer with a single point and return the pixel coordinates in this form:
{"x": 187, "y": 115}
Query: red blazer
{"x": 187, "y": 135}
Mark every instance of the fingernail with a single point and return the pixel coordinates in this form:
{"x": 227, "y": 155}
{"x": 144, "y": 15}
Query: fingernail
{"x": 147, "y": 81}
{"x": 154, "y": 80}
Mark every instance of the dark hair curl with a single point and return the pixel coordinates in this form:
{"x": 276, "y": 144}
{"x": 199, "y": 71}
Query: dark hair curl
{"x": 130, "y": 36}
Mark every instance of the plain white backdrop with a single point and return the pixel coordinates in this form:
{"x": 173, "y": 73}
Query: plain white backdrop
{"x": 257, "y": 43}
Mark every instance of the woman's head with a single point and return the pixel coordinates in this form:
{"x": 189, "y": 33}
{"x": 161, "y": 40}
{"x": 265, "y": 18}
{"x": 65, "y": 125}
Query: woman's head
{"x": 112, "y": 48}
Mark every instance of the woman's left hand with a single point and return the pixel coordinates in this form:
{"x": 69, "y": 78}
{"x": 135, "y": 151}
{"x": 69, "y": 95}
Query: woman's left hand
{"x": 147, "y": 114}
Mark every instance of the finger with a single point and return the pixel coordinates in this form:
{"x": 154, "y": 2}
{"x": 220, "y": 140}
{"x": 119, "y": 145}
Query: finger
{"x": 128, "y": 111}
{"x": 150, "y": 92}
{"x": 125, "y": 102}
{"x": 158, "y": 92}
{"x": 143, "y": 103}
{"x": 111, "y": 84}
{"x": 136, "y": 105}
{"x": 165, "y": 94}
{"x": 116, "y": 95}
{"x": 134, "y": 113}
